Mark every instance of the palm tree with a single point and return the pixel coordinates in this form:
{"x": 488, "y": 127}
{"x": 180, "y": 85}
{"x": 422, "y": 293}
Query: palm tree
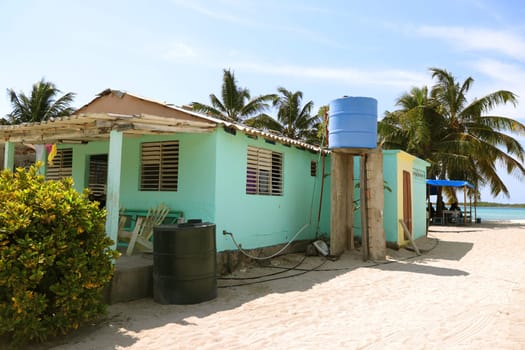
{"x": 413, "y": 128}
{"x": 459, "y": 138}
{"x": 292, "y": 121}
{"x": 41, "y": 105}
{"x": 236, "y": 104}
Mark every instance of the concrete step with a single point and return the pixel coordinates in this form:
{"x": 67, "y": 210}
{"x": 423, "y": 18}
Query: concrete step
{"x": 132, "y": 279}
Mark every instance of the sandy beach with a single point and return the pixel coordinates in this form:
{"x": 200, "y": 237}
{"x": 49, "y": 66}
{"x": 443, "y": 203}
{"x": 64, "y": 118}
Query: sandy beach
{"x": 466, "y": 291}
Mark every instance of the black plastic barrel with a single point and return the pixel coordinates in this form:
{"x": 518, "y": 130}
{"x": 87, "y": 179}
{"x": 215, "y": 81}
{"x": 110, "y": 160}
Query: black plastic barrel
{"x": 184, "y": 263}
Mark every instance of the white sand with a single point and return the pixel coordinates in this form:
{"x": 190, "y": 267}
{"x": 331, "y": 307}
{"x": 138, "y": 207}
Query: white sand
{"x": 466, "y": 292}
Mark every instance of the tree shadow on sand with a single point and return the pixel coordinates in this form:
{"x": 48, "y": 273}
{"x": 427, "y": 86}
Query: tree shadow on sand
{"x": 287, "y": 273}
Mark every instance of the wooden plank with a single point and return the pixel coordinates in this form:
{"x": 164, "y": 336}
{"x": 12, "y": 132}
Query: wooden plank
{"x": 338, "y": 201}
{"x": 349, "y": 222}
{"x": 408, "y": 234}
{"x": 375, "y": 206}
{"x": 364, "y": 206}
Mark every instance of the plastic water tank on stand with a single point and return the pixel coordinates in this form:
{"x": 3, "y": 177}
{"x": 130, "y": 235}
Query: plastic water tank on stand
{"x": 352, "y": 123}
{"x": 184, "y": 263}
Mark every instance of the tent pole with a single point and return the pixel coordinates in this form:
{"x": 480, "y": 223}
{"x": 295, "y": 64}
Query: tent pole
{"x": 465, "y": 204}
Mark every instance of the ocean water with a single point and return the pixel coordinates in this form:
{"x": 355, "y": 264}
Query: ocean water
{"x": 499, "y": 213}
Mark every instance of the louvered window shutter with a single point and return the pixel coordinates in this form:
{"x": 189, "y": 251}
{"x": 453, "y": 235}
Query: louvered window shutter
{"x": 61, "y": 166}
{"x": 264, "y": 172}
{"x": 159, "y": 166}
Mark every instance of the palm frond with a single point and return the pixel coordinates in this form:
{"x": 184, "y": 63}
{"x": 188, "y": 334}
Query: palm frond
{"x": 40, "y": 105}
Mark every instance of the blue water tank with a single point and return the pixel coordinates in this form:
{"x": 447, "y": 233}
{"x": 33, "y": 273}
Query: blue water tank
{"x": 352, "y": 123}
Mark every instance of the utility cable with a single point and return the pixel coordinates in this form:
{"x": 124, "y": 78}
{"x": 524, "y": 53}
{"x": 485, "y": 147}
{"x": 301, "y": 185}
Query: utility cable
{"x": 276, "y": 278}
{"x": 368, "y": 265}
{"x": 264, "y": 257}
{"x": 316, "y": 268}
{"x": 298, "y": 232}
{"x": 267, "y": 275}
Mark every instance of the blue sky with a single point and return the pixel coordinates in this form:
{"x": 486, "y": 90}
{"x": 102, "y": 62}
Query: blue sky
{"x": 175, "y": 51}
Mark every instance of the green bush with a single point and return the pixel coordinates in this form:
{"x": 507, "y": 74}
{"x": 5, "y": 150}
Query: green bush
{"x": 55, "y": 257}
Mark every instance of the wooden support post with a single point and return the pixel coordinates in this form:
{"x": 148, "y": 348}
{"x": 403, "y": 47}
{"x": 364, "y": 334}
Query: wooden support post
{"x": 349, "y": 216}
{"x": 375, "y": 205}
{"x": 338, "y": 204}
{"x": 113, "y": 185}
{"x": 465, "y": 201}
{"x": 41, "y": 155}
{"x": 408, "y": 234}
{"x": 364, "y": 205}
{"x": 9, "y": 155}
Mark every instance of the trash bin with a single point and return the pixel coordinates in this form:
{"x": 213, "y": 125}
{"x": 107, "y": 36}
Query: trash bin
{"x": 478, "y": 220}
{"x": 184, "y": 263}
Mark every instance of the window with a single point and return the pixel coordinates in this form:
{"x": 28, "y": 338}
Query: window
{"x": 61, "y": 166}
{"x": 313, "y": 168}
{"x": 264, "y": 172}
{"x": 159, "y": 170}
{"x": 98, "y": 174}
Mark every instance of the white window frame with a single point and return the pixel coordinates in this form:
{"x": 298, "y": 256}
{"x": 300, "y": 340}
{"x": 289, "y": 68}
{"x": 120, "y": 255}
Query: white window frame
{"x": 264, "y": 172}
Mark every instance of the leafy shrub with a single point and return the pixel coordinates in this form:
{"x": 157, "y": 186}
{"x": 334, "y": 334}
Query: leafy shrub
{"x": 55, "y": 257}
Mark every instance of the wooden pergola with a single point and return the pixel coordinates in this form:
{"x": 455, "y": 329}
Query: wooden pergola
{"x": 111, "y": 116}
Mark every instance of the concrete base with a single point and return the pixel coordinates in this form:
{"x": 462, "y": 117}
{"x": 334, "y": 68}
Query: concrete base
{"x": 231, "y": 260}
{"x": 132, "y": 279}
{"x": 133, "y": 276}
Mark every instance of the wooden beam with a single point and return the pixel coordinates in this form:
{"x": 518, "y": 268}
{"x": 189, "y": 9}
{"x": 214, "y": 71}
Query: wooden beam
{"x": 408, "y": 234}
{"x": 167, "y": 128}
{"x": 354, "y": 151}
{"x": 55, "y": 137}
{"x": 375, "y": 205}
{"x": 363, "y": 203}
{"x": 349, "y": 216}
{"x": 177, "y": 121}
{"x": 338, "y": 205}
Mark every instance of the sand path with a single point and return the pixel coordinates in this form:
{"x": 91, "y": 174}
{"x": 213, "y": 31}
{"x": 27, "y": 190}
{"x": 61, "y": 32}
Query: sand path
{"x": 467, "y": 291}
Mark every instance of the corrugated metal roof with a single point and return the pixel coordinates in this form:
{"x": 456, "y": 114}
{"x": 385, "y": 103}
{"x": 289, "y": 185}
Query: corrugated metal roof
{"x": 93, "y": 126}
{"x": 240, "y": 127}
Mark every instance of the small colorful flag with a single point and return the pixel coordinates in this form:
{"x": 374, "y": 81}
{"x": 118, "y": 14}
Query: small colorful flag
{"x": 51, "y": 153}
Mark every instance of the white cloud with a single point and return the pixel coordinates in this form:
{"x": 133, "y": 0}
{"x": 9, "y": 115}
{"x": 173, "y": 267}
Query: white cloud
{"x": 478, "y": 39}
{"x": 254, "y": 17}
{"x": 180, "y": 51}
{"x": 507, "y": 73}
{"x": 206, "y": 11}
{"x": 352, "y": 76}
{"x": 503, "y": 76}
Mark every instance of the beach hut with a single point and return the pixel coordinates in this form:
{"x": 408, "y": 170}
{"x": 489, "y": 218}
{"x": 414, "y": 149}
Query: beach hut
{"x": 404, "y": 191}
{"x": 404, "y": 198}
{"x": 135, "y": 153}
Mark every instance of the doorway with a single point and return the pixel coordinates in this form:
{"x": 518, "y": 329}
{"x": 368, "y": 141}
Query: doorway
{"x": 407, "y": 200}
{"x": 98, "y": 176}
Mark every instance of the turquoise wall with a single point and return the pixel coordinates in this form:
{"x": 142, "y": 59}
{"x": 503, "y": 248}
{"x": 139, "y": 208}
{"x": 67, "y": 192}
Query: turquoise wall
{"x": 81, "y": 155}
{"x": 212, "y": 187}
{"x": 196, "y": 188}
{"x": 391, "y": 210}
{"x": 325, "y": 205}
{"x": 419, "y": 210}
{"x": 394, "y": 162}
{"x": 261, "y": 220}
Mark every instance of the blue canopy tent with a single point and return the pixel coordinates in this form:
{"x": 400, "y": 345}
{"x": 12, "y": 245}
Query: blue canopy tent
{"x": 444, "y": 217}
